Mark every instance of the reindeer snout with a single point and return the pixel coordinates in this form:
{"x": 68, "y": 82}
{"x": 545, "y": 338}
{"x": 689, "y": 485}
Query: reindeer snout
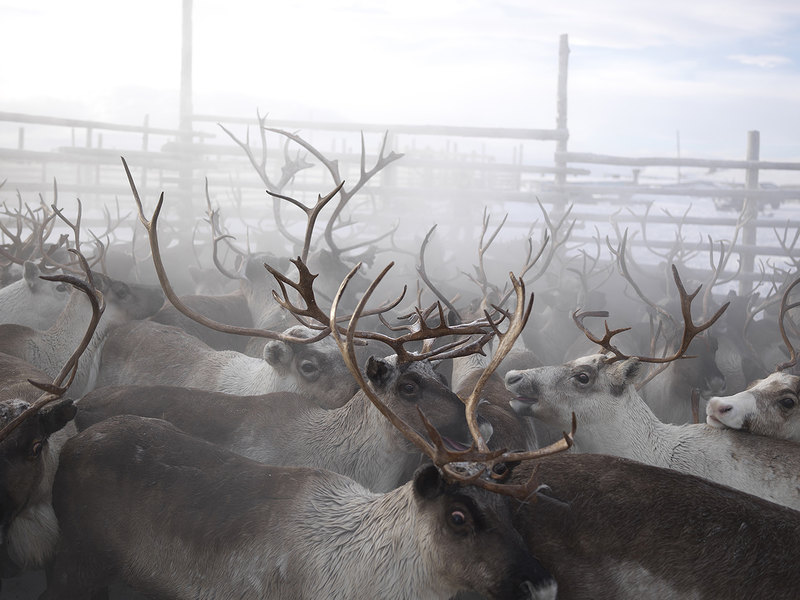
{"x": 526, "y": 391}
{"x": 716, "y": 410}
{"x": 513, "y": 378}
{"x": 716, "y": 405}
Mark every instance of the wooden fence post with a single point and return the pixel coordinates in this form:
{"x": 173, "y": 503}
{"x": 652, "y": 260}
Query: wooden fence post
{"x": 185, "y": 127}
{"x": 749, "y": 213}
{"x": 561, "y": 109}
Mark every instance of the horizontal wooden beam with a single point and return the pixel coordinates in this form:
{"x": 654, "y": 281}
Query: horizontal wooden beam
{"x": 61, "y": 122}
{"x": 656, "y": 161}
{"x": 447, "y": 130}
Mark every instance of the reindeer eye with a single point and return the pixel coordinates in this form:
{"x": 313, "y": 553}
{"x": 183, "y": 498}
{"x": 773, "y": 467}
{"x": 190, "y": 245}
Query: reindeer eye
{"x": 61, "y": 287}
{"x": 787, "y": 402}
{"x": 36, "y": 449}
{"x": 458, "y": 518}
{"x": 582, "y": 377}
{"x": 408, "y": 389}
{"x": 121, "y": 292}
{"x": 308, "y": 369}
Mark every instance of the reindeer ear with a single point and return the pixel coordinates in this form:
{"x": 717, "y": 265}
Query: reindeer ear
{"x": 278, "y": 354}
{"x": 254, "y": 269}
{"x": 58, "y": 414}
{"x": 31, "y": 274}
{"x": 428, "y": 482}
{"x": 623, "y": 372}
{"x": 378, "y": 371}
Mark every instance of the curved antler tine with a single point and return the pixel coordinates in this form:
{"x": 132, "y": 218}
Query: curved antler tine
{"x": 516, "y": 324}
{"x": 565, "y": 443}
{"x": 785, "y": 307}
{"x": 151, "y": 226}
{"x": 421, "y": 271}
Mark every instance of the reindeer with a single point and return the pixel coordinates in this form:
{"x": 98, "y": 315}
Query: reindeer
{"x": 285, "y": 428}
{"x": 306, "y": 429}
{"x": 608, "y": 528}
{"x": 768, "y": 406}
{"x": 29, "y": 459}
{"x": 31, "y": 436}
{"x": 615, "y": 420}
{"x": 674, "y": 383}
{"x": 287, "y": 532}
{"x": 201, "y": 522}
{"x": 147, "y": 353}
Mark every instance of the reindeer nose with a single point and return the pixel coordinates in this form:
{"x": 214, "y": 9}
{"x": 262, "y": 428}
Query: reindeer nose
{"x": 513, "y": 377}
{"x": 723, "y": 408}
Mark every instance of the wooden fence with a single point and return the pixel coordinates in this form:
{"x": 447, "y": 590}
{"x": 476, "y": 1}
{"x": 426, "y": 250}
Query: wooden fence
{"x": 446, "y": 174}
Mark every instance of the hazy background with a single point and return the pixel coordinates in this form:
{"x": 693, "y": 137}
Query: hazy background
{"x": 639, "y": 71}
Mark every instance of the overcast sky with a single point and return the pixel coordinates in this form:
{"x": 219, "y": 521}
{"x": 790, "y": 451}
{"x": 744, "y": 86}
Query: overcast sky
{"x": 639, "y": 71}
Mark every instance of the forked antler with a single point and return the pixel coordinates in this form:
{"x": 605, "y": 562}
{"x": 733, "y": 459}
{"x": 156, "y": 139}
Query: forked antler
{"x": 451, "y": 462}
{"x": 690, "y": 329}
{"x": 311, "y": 212}
{"x": 62, "y": 381}
{"x": 332, "y": 166}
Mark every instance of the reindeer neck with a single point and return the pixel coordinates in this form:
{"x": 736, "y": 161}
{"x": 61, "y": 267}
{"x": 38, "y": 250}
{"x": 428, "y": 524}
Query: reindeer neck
{"x": 367, "y": 446}
{"x": 59, "y": 342}
{"x": 466, "y": 366}
{"x": 631, "y": 430}
{"x": 371, "y": 528}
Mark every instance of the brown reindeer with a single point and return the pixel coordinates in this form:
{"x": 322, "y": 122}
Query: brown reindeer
{"x": 608, "y": 528}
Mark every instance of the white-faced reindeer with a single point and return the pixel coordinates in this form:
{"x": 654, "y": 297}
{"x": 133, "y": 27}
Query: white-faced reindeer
{"x": 768, "y": 406}
{"x": 614, "y": 419}
{"x": 216, "y": 525}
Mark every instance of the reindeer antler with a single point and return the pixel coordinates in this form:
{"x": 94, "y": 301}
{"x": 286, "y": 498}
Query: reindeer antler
{"x": 151, "y": 226}
{"x": 785, "y": 307}
{"x": 690, "y": 329}
{"x": 63, "y": 380}
{"x": 451, "y": 462}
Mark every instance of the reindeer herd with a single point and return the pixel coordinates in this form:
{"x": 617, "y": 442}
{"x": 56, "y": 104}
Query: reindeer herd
{"x": 293, "y": 436}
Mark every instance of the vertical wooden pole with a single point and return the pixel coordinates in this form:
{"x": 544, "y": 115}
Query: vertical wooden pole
{"x": 749, "y": 213}
{"x": 185, "y": 127}
{"x": 145, "y": 144}
{"x": 561, "y": 110}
